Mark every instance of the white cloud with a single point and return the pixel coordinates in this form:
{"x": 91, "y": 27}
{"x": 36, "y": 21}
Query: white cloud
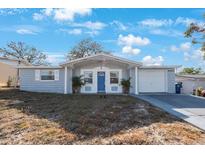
{"x": 72, "y": 31}
{"x": 149, "y": 60}
{"x": 90, "y": 25}
{"x": 167, "y": 32}
{"x": 182, "y": 47}
{"x": 156, "y": 22}
{"x": 54, "y": 58}
{"x": 130, "y": 50}
{"x": 38, "y": 16}
{"x": 119, "y": 25}
{"x": 92, "y": 32}
{"x": 47, "y": 11}
{"x": 12, "y": 11}
{"x": 185, "y": 46}
{"x": 195, "y": 56}
{"x": 63, "y": 14}
{"x": 25, "y": 31}
{"x": 93, "y": 28}
{"x": 22, "y": 29}
{"x": 174, "y": 48}
{"x": 185, "y": 21}
{"x": 75, "y": 31}
{"x": 131, "y": 40}
{"x": 69, "y": 14}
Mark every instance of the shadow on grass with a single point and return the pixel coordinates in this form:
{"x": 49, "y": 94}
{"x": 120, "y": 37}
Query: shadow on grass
{"x": 88, "y": 116}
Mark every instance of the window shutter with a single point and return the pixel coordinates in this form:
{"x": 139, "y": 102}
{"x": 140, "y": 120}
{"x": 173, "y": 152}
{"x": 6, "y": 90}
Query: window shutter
{"x": 56, "y": 72}
{"x": 37, "y": 74}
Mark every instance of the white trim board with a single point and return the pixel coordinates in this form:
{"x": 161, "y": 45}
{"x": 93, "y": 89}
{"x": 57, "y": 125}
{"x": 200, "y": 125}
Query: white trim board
{"x": 108, "y": 86}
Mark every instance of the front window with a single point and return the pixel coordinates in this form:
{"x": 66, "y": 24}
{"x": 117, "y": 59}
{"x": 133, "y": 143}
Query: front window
{"x": 88, "y": 77}
{"x": 47, "y": 75}
{"x": 114, "y": 77}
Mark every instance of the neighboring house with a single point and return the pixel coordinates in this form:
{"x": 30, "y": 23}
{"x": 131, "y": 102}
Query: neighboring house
{"x": 102, "y": 72}
{"x": 191, "y": 82}
{"x": 8, "y": 70}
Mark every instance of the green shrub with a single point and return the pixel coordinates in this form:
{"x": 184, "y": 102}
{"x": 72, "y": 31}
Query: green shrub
{"x": 126, "y": 84}
{"x": 77, "y": 83}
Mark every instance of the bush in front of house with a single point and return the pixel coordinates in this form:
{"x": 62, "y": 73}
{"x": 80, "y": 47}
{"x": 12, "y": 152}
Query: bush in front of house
{"x": 126, "y": 84}
{"x": 77, "y": 83}
{"x": 199, "y": 91}
{"x": 203, "y": 93}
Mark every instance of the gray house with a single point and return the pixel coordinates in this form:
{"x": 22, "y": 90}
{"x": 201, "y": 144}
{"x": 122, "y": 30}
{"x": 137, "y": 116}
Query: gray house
{"x": 102, "y": 72}
{"x": 191, "y": 82}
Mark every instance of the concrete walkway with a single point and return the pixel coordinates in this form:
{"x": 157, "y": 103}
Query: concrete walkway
{"x": 188, "y": 108}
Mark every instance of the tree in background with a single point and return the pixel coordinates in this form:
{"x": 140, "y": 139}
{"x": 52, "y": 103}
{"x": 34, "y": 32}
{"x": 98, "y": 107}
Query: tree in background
{"x": 197, "y": 33}
{"x": 191, "y": 70}
{"x": 21, "y": 51}
{"x": 85, "y": 47}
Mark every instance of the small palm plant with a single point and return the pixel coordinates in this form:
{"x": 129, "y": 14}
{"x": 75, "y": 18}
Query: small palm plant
{"x": 126, "y": 84}
{"x": 77, "y": 83}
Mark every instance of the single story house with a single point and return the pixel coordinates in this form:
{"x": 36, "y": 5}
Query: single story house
{"x": 191, "y": 82}
{"x": 8, "y": 70}
{"x": 103, "y": 73}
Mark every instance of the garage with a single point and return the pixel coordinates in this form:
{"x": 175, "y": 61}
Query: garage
{"x": 152, "y": 80}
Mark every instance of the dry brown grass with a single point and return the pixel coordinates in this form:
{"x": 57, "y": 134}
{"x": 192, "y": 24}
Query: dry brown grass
{"x": 41, "y": 118}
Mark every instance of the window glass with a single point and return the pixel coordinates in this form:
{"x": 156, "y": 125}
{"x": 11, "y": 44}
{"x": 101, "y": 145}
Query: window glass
{"x": 114, "y": 77}
{"x": 88, "y": 77}
{"x": 47, "y": 75}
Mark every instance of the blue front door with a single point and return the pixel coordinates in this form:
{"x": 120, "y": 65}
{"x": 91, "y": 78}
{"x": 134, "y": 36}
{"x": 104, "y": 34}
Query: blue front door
{"x": 101, "y": 81}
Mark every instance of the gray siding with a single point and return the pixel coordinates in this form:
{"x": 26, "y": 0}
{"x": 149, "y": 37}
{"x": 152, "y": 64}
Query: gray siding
{"x": 171, "y": 81}
{"x": 69, "y": 80}
{"x": 28, "y": 82}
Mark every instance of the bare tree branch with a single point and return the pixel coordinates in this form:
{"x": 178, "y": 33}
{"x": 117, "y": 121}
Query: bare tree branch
{"x": 86, "y": 47}
{"x": 21, "y": 51}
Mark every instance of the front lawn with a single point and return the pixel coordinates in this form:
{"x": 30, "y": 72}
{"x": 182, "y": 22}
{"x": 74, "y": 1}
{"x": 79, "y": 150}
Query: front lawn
{"x": 42, "y": 118}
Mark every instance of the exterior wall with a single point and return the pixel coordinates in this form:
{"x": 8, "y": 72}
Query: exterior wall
{"x": 95, "y": 67}
{"x": 188, "y": 84}
{"x": 132, "y": 75}
{"x": 6, "y": 71}
{"x": 171, "y": 81}
{"x": 69, "y": 80}
{"x": 28, "y": 82}
{"x": 161, "y": 77}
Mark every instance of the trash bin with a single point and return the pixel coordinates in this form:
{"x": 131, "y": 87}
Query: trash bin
{"x": 178, "y": 87}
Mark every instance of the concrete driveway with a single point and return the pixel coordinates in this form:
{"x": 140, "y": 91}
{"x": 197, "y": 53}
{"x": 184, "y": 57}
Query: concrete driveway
{"x": 188, "y": 108}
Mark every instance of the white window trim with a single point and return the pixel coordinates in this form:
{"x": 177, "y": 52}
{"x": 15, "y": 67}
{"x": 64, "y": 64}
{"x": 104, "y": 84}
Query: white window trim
{"x": 107, "y": 80}
{"x": 39, "y": 78}
{"x": 118, "y": 79}
{"x": 84, "y": 77}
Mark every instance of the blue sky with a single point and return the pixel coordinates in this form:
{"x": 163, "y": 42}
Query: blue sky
{"x": 152, "y": 36}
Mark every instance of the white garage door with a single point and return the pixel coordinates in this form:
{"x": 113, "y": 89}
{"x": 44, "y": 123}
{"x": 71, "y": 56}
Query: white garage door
{"x": 152, "y": 81}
